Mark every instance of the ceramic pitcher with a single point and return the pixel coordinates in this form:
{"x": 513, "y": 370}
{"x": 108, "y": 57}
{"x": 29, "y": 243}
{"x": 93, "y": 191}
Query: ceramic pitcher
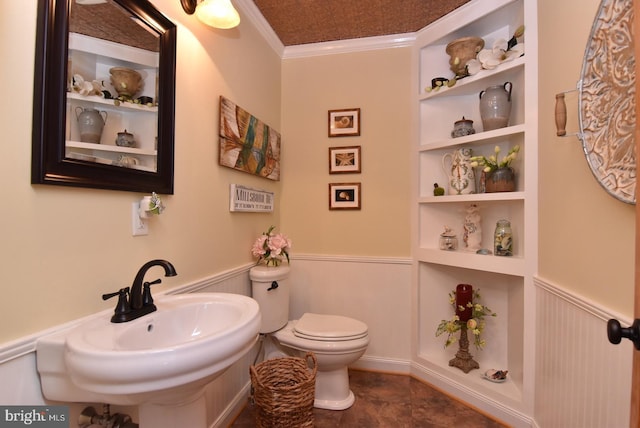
{"x": 91, "y": 123}
{"x": 495, "y": 106}
{"x": 460, "y": 174}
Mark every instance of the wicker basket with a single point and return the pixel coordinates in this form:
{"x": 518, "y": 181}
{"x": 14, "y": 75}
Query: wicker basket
{"x": 283, "y": 391}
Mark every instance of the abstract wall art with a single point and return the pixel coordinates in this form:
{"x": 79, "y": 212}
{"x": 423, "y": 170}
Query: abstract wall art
{"x": 246, "y": 143}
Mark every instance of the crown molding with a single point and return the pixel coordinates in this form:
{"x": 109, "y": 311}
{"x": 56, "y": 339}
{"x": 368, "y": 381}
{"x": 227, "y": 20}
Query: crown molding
{"x": 349, "y": 46}
{"x": 249, "y": 9}
{"x": 253, "y": 14}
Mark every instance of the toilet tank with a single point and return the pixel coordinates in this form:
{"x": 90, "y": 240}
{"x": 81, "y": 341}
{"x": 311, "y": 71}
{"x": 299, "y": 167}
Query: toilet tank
{"x": 270, "y": 288}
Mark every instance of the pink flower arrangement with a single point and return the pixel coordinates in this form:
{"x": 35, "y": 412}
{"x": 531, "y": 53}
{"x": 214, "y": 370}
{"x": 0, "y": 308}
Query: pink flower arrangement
{"x": 271, "y": 248}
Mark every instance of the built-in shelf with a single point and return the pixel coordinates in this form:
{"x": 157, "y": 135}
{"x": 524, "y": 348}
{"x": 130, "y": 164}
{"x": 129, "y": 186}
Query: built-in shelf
{"x": 109, "y": 148}
{"x": 475, "y": 83}
{"x": 123, "y": 105}
{"x": 92, "y": 58}
{"x": 506, "y": 282}
{"x": 474, "y": 197}
{"x": 474, "y": 139}
{"x": 509, "y": 391}
{"x": 470, "y": 260}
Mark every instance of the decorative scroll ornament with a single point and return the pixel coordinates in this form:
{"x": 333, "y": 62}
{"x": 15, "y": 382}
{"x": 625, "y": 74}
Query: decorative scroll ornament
{"x": 607, "y": 100}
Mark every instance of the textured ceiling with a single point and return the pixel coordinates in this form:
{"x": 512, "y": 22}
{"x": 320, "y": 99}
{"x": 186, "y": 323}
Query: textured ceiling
{"x": 109, "y": 21}
{"x": 298, "y": 22}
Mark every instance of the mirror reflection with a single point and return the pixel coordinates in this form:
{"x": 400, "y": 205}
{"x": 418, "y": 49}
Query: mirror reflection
{"x": 104, "y": 96}
{"x": 112, "y": 87}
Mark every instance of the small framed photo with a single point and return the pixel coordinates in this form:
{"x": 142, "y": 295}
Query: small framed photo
{"x": 344, "y": 123}
{"x": 344, "y": 160}
{"x": 344, "y": 196}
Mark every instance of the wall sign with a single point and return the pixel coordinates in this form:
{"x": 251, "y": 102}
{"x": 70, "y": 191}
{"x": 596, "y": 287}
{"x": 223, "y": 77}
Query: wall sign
{"x": 246, "y": 199}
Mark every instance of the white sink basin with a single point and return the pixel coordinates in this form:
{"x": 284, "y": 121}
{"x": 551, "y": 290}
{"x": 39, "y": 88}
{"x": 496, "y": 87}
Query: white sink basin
{"x": 163, "y": 357}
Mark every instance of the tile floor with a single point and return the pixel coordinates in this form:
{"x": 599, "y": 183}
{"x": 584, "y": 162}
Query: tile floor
{"x": 394, "y": 401}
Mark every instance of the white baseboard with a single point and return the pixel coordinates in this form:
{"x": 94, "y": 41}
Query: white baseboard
{"x": 234, "y": 408}
{"x": 380, "y": 364}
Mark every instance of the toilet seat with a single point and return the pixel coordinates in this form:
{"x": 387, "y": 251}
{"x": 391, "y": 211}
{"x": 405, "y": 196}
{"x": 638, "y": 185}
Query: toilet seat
{"x": 330, "y": 328}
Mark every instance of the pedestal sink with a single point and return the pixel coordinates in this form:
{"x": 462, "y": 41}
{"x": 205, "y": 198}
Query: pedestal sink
{"x": 161, "y": 361}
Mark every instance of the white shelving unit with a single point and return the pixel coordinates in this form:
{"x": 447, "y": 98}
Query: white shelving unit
{"x": 92, "y": 58}
{"x": 505, "y": 283}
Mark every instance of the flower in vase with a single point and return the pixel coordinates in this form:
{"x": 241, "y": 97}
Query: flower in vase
{"x": 475, "y": 324}
{"x": 271, "y": 248}
{"x": 494, "y": 162}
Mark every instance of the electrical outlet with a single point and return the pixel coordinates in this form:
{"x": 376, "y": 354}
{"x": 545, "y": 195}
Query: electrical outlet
{"x": 138, "y": 225}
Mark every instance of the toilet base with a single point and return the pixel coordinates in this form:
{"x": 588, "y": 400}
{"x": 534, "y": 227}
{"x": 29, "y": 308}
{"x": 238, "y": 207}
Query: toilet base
{"x": 335, "y": 405}
{"x": 332, "y": 390}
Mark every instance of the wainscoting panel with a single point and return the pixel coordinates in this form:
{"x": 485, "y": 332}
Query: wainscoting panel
{"x": 582, "y": 381}
{"x": 225, "y": 396}
{"x": 375, "y": 290}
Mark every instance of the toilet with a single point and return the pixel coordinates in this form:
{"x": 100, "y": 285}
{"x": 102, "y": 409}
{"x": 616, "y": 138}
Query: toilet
{"x": 335, "y": 340}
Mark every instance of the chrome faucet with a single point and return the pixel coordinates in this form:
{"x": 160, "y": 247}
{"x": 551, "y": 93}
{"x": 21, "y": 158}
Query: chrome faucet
{"x": 138, "y": 302}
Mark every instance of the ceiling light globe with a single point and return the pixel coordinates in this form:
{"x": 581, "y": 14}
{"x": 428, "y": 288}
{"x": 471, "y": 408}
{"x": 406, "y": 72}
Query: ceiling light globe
{"x": 218, "y": 14}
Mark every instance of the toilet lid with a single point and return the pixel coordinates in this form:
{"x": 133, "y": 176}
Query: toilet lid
{"x": 329, "y": 327}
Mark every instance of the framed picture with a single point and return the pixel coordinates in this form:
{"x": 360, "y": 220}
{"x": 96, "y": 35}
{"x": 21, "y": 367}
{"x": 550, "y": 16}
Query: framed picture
{"x": 344, "y": 196}
{"x": 344, "y": 123}
{"x": 246, "y": 143}
{"x": 344, "y": 160}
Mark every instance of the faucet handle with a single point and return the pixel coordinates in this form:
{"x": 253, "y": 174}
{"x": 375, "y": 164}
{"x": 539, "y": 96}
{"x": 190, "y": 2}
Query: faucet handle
{"x": 146, "y": 292}
{"x": 122, "y": 307}
{"x": 117, "y": 293}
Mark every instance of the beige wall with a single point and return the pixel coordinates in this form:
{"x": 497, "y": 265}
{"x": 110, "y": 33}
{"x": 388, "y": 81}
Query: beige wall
{"x": 586, "y": 236}
{"x": 61, "y": 248}
{"x": 379, "y": 83}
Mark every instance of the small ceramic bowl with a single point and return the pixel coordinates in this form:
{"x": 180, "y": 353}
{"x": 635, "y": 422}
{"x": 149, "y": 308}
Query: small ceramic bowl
{"x": 439, "y": 81}
{"x": 144, "y": 100}
{"x": 125, "y": 139}
{"x": 463, "y": 127}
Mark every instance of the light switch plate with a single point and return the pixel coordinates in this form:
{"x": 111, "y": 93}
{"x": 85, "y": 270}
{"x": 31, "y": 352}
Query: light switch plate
{"x": 138, "y": 225}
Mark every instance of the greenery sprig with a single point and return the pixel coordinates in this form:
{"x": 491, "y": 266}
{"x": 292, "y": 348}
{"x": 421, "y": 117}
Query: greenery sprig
{"x": 475, "y": 324}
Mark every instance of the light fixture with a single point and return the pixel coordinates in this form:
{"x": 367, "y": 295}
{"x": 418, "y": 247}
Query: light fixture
{"x": 215, "y": 13}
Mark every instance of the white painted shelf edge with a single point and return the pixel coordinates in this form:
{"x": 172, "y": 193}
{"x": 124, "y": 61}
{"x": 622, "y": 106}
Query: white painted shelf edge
{"x": 463, "y": 85}
{"x": 109, "y": 148}
{"x": 474, "y": 197}
{"x": 110, "y": 102}
{"x": 488, "y": 263}
{"x": 480, "y": 138}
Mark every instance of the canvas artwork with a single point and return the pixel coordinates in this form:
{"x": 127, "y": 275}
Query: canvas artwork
{"x": 246, "y": 143}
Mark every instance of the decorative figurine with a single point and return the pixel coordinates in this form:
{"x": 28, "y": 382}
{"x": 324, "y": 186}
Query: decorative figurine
{"x": 437, "y": 190}
{"x": 472, "y": 228}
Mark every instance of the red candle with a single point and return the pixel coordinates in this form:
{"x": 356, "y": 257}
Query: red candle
{"x": 464, "y": 295}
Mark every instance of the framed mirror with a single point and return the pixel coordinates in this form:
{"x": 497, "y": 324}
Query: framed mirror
{"x": 104, "y": 96}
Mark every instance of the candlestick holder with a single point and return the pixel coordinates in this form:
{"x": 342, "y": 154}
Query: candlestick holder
{"x": 464, "y": 360}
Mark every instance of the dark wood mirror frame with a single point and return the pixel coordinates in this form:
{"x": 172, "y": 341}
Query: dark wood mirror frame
{"x": 49, "y": 164}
